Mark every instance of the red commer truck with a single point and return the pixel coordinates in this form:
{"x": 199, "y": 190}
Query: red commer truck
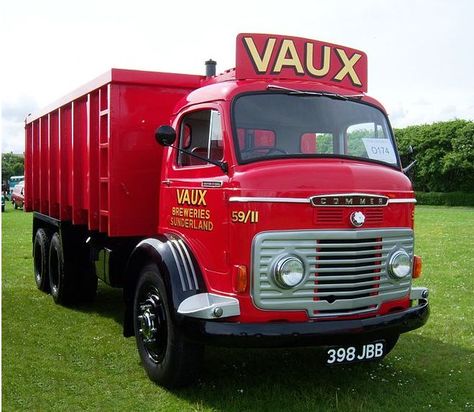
{"x": 265, "y": 206}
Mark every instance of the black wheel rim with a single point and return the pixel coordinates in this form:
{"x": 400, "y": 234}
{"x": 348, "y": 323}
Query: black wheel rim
{"x": 151, "y": 324}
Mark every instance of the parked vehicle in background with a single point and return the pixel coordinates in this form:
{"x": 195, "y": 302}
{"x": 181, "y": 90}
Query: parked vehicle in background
{"x": 13, "y": 181}
{"x": 18, "y": 198}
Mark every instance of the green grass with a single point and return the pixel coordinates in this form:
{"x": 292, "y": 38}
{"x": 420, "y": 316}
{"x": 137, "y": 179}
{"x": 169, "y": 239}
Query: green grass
{"x": 56, "y": 358}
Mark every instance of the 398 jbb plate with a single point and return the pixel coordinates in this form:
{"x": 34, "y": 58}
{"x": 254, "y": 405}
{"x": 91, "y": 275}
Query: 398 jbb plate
{"x": 338, "y": 355}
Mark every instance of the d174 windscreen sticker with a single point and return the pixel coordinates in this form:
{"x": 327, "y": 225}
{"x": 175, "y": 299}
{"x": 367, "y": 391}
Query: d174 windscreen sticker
{"x": 380, "y": 149}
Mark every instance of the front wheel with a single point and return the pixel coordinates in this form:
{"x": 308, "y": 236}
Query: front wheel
{"x": 166, "y": 356}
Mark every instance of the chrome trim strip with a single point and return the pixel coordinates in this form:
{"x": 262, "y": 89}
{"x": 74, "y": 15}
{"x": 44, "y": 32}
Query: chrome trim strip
{"x": 248, "y": 199}
{"x": 242, "y": 199}
{"x": 410, "y": 200}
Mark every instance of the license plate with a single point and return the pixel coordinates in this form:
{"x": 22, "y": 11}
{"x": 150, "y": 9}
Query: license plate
{"x": 337, "y": 355}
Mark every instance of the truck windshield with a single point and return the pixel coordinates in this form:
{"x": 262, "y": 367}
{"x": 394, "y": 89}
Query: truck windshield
{"x": 270, "y": 125}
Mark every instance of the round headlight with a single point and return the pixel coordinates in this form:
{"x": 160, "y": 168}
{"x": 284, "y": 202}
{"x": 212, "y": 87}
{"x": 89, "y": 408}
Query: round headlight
{"x": 399, "y": 264}
{"x": 289, "y": 272}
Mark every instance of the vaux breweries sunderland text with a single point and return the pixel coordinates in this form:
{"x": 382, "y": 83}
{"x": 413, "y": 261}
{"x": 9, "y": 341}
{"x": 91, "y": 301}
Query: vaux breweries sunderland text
{"x": 191, "y": 217}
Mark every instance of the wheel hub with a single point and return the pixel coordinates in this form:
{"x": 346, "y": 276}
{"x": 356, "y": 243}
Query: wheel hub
{"x": 147, "y": 323}
{"x": 151, "y": 326}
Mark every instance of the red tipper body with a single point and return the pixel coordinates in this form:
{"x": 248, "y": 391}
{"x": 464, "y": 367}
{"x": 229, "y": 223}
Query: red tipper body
{"x": 91, "y": 158}
{"x": 275, "y": 208}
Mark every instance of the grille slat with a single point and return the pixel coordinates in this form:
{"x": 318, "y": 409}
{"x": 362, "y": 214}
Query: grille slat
{"x": 346, "y": 270}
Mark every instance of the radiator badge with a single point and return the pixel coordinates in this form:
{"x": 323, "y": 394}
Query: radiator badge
{"x": 357, "y": 219}
{"x": 349, "y": 200}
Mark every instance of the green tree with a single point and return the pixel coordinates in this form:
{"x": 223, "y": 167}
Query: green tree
{"x": 12, "y": 165}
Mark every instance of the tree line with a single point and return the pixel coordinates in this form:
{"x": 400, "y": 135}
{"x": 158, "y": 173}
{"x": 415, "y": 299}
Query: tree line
{"x": 444, "y": 154}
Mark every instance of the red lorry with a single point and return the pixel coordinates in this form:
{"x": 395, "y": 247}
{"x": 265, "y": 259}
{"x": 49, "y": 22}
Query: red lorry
{"x": 271, "y": 210}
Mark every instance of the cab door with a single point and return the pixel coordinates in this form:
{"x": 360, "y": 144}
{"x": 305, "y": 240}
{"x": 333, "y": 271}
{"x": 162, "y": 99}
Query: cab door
{"x": 193, "y": 203}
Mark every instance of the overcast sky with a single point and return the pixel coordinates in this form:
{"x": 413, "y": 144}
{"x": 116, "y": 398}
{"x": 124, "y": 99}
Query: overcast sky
{"x": 420, "y": 52}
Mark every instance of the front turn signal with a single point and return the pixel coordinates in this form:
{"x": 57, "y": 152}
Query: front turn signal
{"x": 239, "y": 278}
{"x": 417, "y": 264}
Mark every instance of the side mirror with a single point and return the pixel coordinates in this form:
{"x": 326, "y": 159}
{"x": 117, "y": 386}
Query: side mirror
{"x": 165, "y": 135}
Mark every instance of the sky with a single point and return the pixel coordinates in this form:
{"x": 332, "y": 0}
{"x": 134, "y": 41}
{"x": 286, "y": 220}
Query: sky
{"x": 420, "y": 52}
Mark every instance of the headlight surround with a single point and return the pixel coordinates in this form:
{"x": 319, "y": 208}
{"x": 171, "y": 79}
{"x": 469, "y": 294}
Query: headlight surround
{"x": 399, "y": 264}
{"x": 289, "y": 272}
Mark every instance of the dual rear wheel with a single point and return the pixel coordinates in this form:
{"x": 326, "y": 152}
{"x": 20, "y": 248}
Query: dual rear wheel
{"x": 66, "y": 273}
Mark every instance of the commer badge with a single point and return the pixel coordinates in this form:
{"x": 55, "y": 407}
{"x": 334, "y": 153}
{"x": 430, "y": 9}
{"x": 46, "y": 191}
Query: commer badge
{"x": 357, "y": 219}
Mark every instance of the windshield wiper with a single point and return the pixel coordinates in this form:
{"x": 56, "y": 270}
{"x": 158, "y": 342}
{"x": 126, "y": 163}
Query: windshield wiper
{"x": 311, "y": 93}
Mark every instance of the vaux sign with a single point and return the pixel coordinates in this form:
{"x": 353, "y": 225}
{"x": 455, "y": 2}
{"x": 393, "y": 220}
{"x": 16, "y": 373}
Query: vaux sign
{"x": 273, "y": 56}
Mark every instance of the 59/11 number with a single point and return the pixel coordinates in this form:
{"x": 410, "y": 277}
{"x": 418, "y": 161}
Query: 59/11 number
{"x": 351, "y": 354}
{"x": 250, "y": 216}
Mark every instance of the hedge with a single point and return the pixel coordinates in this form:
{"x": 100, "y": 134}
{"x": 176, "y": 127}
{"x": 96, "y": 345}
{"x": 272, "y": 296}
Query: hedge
{"x": 444, "y": 153}
{"x": 445, "y": 199}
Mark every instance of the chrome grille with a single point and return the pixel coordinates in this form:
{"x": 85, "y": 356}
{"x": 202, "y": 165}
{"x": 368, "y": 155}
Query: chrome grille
{"x": 346, "y": 270}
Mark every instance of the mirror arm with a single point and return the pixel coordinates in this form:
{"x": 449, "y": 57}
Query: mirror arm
{"x": 223, "y": 165}
{"x": 409, "y": 167}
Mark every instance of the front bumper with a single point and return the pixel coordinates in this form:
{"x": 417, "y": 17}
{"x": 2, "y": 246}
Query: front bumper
{"x": 313, "y": 333}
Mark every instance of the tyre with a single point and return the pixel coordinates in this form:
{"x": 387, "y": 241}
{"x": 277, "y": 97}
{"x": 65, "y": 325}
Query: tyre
{"x": 166, "y": 356}
{"x": 61, "y": 282}
{"x": 41, "y": 260}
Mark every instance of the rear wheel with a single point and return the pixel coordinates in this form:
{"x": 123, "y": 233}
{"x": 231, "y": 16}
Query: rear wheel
{"x": 61, "y": 282}
{"x": 166, "y": 356}
{"x": 41, "y": 260}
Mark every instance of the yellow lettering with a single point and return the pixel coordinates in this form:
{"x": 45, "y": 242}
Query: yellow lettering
{"x": 325, "y": 57}
{"x": 202, "y": 199}
{"x": 348, "y": 68}
{"x": 191, "y": 197}
{"x": 288, "y": 48}
{"x": 261, "y": 62}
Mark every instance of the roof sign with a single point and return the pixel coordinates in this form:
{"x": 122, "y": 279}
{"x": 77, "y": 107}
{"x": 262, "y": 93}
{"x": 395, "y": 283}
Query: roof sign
{"x": 284, "y": 57}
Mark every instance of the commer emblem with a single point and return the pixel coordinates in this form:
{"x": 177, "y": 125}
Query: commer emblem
{"x": 357, "y": 219}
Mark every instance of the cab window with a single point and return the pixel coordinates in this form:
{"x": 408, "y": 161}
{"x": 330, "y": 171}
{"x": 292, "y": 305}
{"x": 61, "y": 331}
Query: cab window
{"x": 200, "y": 134}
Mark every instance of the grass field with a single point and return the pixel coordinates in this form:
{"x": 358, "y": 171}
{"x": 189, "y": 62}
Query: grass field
{"x": 55, "y": 358}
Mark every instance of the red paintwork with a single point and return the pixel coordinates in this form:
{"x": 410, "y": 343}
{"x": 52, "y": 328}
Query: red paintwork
{"x": 92, "y": 159}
